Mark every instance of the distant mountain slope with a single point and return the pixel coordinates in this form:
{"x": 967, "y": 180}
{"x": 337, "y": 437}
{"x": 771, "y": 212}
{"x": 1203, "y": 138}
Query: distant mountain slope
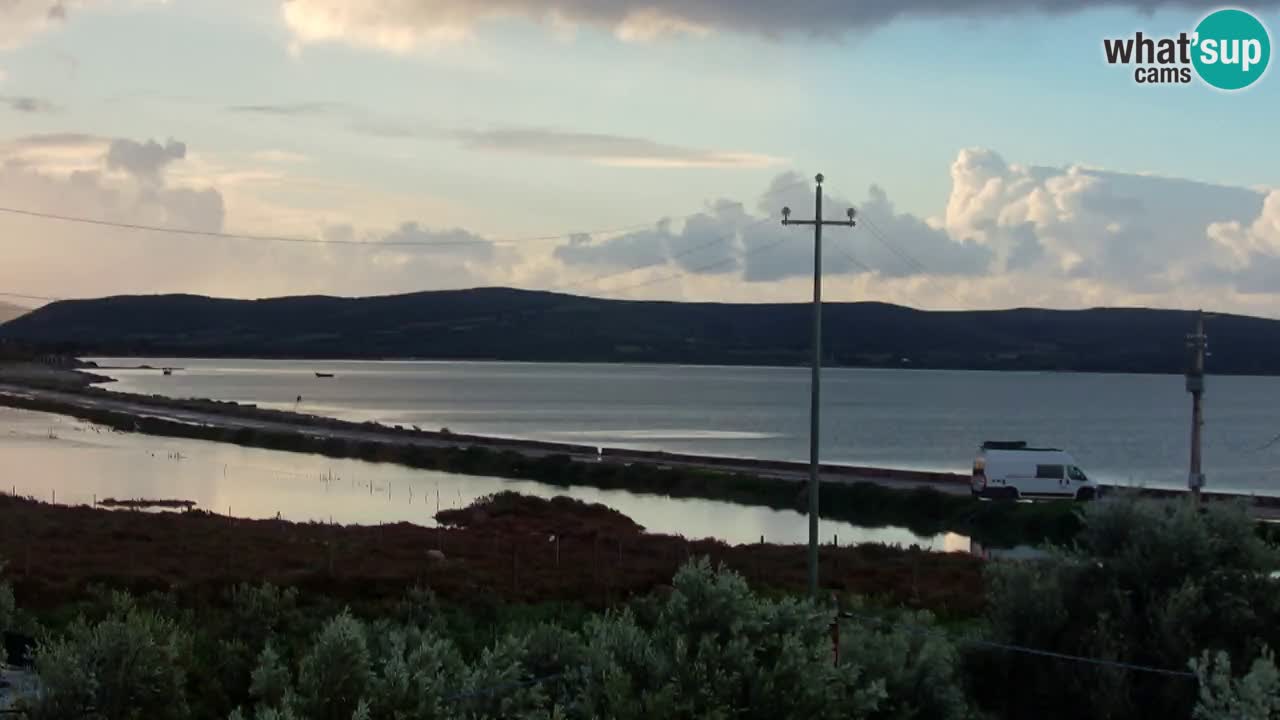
{"x": 505, "y": 324}
{"x": 9, "y": 312}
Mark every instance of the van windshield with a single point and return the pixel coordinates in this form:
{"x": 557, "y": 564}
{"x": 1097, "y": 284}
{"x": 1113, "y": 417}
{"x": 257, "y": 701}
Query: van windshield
{"x": 1076, "y": 473}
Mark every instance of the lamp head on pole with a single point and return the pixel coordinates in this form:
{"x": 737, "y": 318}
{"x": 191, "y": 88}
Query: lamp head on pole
{"x": 786, "y": 215}
{"x": 819, "y": 178}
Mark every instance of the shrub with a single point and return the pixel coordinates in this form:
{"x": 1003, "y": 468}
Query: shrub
{"x": 1255, "y": 696}
{"x": 130, "y": 665}
{"x": 917, "y": 663}
{"x": 8, "y": 608}
{"x": 1147, "y": 583}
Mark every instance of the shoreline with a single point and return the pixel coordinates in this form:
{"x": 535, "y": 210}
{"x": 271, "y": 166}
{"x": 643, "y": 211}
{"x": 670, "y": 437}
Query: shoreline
{"x": 927, "y": 503}
{"x": 804, "y": 366}
{"x": 73, "y": 391}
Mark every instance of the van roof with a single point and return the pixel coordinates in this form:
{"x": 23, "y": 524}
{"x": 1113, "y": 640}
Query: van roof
{"x": 1015, "y": 445}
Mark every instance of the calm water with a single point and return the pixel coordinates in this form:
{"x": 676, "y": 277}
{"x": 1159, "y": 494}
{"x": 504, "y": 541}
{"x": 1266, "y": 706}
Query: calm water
{"x": 61, "y": 459}
{"x": 1127, "y": 429}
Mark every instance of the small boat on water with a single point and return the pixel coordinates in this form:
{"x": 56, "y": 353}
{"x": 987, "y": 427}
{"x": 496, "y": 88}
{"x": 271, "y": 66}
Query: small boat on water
{"x": 324, "y": 375}
{"x": 168, "y": 371}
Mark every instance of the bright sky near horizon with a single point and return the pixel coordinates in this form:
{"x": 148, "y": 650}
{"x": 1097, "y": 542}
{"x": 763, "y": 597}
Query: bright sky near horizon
{"x": 999, "y": 159}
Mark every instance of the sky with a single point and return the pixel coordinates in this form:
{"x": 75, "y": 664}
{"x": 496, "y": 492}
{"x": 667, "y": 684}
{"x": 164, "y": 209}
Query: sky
{"x": 637, "y": 149}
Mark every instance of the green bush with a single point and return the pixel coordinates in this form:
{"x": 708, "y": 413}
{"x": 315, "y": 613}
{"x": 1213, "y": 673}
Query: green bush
{"x": 918, "y": 664}
{"x": 8, "y": 608}
{"x": 1147, "y": 583}
{"x": 128, "y": 666}
{"x": 1256, "y": 696}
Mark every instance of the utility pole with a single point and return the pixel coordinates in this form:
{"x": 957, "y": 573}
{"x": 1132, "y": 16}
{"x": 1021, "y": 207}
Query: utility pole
{"x": 1198, "y": 343}
{"x": 815, "y": 396}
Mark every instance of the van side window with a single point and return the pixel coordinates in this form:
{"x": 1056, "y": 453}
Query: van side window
{"x": 1050, "y": 472}
{"x": 1076, "y": 474}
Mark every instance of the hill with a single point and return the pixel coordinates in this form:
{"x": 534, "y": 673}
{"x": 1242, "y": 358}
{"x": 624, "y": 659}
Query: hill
{"x": 9, "y": 312}
{"x": 506, "y": 324}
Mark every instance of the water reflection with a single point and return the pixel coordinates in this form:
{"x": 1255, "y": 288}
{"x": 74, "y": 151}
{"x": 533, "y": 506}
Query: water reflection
{"x": 51, "y": 457}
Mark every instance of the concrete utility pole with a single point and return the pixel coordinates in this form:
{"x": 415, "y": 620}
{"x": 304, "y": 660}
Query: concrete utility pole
{"x": 816, "y": 384}
{"x": 1198, "y": 343}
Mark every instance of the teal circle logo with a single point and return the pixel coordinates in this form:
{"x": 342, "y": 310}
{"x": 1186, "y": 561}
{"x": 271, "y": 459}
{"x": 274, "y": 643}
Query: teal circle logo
{"x": 1232, "y": 49}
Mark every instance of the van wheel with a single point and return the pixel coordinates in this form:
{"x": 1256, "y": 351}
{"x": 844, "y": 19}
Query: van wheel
{"x": 1086, "y": 494}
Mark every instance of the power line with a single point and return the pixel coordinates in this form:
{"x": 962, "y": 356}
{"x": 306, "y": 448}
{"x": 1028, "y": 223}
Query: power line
{"x": 376, "y": 245}
{"x": 1020, "y": 649}
{"x": 855, "y": 261}
{"x": 230, "y": 236}
{"x": 709, "y": 266}
{"x": 325, "y": 241}
{"x": 912, "y": 263}
{"x": 29, "y": 297}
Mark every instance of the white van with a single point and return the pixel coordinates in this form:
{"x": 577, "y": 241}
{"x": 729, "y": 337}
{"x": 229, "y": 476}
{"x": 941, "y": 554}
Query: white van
{"x": 1013, "y": 470}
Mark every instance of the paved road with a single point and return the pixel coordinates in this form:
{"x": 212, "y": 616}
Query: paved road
{"x": 796, "y": 472}
{"x": 315, "y": 426}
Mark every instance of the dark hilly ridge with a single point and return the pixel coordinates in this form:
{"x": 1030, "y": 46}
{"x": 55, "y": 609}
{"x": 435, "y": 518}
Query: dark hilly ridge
{"x": 506, "y": 324}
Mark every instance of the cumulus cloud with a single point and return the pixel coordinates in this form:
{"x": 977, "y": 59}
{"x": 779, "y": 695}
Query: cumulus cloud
{"x": 1142, "y": 231}
{"x": 401, "y": 25}
{"x": 145, "y": 161}
{"x": 727, "y": 239}
{"x": 1009, "y": 234}
{"x": 136, "y": 182}
{"x": 76, "y": 259}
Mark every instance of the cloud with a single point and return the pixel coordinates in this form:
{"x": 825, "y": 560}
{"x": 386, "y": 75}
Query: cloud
{"x": 22, "y": 19}
{"x": 145, "y": 161}
{"x": 57, "y": 140}
{"x": 143, "y": 182}
{"x": 598, "y": 148}
{"x": 79, "y": 259}
{"x": 402, "y": 25}
{"x": 1141, "y": 231}
{"x": 297, "y": 109}
{"x": 727, "y": 239}
{"x": 28, "y": 104}
{"x": 455, "y": 242}
{"x": 1062, "y": 236}
{"x": 604, "y": 149}
{"x": 1009, "y": 234}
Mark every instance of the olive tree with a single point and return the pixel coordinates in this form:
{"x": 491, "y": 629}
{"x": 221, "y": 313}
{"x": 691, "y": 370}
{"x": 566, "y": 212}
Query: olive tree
{"x": 126, "y": 666}
{"x": 1147, "y": 583}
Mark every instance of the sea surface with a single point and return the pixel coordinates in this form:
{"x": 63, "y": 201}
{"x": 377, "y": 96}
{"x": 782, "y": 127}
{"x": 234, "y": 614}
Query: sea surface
{"x": 64, "y": 460}
{"x": 1122, "y": 429}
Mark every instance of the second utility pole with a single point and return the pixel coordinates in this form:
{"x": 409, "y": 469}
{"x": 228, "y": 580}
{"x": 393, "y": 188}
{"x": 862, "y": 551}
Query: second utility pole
{"x": 815, "y": 396}
{"x": 1198, "y": 343}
